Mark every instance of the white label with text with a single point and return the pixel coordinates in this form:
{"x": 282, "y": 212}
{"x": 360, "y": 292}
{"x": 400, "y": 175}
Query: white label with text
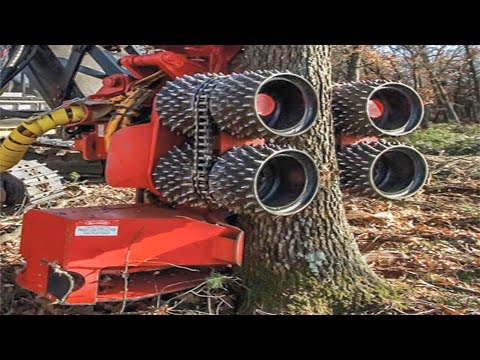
{"x": 96, "y": 231}
{"x": 101, "y": 130}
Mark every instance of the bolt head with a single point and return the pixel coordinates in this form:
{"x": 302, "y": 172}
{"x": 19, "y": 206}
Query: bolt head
{"x": 110, "y": 81}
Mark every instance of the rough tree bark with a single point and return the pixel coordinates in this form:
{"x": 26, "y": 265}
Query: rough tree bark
{"x": 473, "y": 70}
{"x": 308, "y": 263}
{"x": 354, "y": 61}
{"x": 476, "y": 81}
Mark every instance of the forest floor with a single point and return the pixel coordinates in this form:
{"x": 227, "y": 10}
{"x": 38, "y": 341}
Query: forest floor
{"x": 427, "y": 246}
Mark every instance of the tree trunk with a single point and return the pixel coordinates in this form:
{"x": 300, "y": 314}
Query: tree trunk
{"x": 473, "y": 70}
{"x": 426, "y": 118}
{"x": 308, "y": 263}
{"x": 476, "y": 83}
{"x": 417, "y": 83}
{"x": 353, "y": 71}
{"x": 443, "y": 96}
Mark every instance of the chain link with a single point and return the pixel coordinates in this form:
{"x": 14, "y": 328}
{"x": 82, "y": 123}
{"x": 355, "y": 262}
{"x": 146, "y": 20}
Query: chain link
{"x": 203, "y": 157}
{"x": 63, "y": 106}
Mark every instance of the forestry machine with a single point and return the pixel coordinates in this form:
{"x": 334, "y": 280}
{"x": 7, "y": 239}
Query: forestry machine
{"x": 194, "y": 137}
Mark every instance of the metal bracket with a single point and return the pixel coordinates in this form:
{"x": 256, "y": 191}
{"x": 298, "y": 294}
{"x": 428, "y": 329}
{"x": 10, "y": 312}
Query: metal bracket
{"x": 54, "y": 78}
{"x": 67, "y": 77}
{"x": 43, "y": 72}
{"x": 107, "y": 61}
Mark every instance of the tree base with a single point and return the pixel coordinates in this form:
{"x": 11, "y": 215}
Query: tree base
{"x": 297, "y": 294}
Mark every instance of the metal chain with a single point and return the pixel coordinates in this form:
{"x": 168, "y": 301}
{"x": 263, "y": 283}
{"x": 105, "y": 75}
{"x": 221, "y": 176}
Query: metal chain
{"x": 203, "y": 145}
{"x": 62, "y": 106}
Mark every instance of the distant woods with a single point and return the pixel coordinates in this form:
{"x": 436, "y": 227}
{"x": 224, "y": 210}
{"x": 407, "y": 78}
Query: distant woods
{"x": 446, "y": 76}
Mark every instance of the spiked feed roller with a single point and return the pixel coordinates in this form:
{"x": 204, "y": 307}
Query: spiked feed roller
{"x": 247, "y": 105}
{"x": 376, "y": 108}
{"x": 244, "y": 180}
{"x": 264, "y": 104}
{"x": 269, "y": 179}
{"x": 391, "y": 170}
{"x": 174, "y": 177}
{"x": 176, "y": 102}
{"x": 197, "y": 148}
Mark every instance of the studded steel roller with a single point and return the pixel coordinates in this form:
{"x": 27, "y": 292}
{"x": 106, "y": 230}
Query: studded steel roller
{"x": 390, "y": 170}
{"x": 376, "y": 108}
{"x": 176, "y": 102}
{"x": 264, "y": 104}
{"x": 264, "y": 179}
{"x": 246, "y": 105}
{"x": 174, "y": 177}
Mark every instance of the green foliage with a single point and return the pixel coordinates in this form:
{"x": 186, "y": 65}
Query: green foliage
{"x": 467, "y": 147}
{"x": 468, "y": 276}
{"x": 74, "y": 176}
{"x": 215, "y": 281}
{"x": 470, "y": 209}
{"x": 446, "y": 139}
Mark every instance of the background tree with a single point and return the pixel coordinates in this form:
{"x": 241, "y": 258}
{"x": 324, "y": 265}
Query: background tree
{"x": 436, "y": 81}
{"x": 354, "y": 62}
{"x": 309, "y": 262}
{"x": 472, "y": 55}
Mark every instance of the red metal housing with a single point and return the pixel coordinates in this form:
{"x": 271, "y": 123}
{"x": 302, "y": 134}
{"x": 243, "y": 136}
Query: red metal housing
{"x": 139, "y": 149}
{"x": 216, "y": 58}
{"x": 172, "y": 64}
{"x": 92, "y": 144}
{"x": 106, "y": 240}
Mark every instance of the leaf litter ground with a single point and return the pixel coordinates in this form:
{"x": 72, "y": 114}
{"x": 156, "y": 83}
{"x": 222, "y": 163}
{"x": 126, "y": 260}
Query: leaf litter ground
{"x": 427, "y": 246}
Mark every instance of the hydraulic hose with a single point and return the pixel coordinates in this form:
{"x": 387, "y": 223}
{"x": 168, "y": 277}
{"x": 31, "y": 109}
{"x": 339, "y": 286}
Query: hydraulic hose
{"x": 24, "y": 114}
{"x": 19, "y": 140}
{"x": 130, "y": 107}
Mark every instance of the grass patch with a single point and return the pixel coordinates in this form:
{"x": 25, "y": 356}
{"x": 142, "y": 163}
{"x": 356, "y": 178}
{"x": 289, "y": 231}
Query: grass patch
{"x": 468, "y": 276}
{"x": 446, "y": 139}
{"x": 471, "y": 209}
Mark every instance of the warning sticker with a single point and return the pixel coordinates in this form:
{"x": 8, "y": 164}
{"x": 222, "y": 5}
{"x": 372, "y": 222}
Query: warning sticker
{"x": 101, "y": 130}
{"x": 96, "y": 231}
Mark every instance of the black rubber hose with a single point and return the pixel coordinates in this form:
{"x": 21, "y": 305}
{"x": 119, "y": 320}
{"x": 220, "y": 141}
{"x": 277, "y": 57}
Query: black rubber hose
{"x": 23, "y": 114}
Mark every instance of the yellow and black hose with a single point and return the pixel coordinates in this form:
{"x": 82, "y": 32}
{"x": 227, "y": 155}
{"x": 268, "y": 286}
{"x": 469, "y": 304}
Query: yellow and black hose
{"x": 19, "y": 140}
{"x": 126, "y": 110}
